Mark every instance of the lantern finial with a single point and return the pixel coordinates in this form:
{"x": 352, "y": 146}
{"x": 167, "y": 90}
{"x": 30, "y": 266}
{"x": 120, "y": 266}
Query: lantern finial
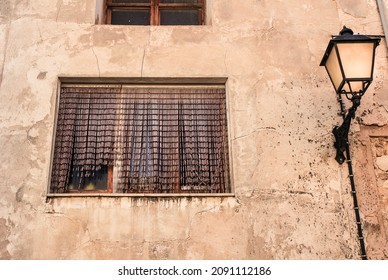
{"x": 346, "y": 31}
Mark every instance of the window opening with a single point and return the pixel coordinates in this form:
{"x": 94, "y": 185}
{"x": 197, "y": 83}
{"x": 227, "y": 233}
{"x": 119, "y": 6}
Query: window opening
{"x": 156, "y": 139}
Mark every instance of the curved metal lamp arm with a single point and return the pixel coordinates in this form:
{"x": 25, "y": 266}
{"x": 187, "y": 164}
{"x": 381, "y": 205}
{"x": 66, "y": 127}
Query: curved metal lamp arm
{"x": 341, "y": 132}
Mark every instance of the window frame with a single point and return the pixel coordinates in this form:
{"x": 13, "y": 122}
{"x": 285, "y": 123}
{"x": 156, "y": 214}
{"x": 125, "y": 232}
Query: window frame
{"x": 155, "y": 7}
{"x": 110, "y": 191}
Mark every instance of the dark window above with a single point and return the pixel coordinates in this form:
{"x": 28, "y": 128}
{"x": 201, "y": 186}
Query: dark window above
{"x": 155, "y": 12}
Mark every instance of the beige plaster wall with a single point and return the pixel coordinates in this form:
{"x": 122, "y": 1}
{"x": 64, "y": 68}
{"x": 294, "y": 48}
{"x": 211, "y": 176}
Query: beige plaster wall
{"x": 292, "y": 200}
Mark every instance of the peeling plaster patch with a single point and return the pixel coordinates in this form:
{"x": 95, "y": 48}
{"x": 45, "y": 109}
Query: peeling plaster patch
{"x": 382, "y": 163}
{"x": 381, "y": 98}
{"x": 182, "y": 36}
{"x": 4, "y": 234}
{"x": 19, "y": 194}
{"x": 27, "y": 100}
{"x": 107, "y": 38}
{"x": 66, "y": 11}
{"x": 42, "y": 75}
{"x": 160, "y": 251}
{"x": 33, "y": 133}
{"x": 372, "y": 189}
{"x": 376, "y": 116}
{"x": 358, "y": 9}
{"x": 5, "y": 10}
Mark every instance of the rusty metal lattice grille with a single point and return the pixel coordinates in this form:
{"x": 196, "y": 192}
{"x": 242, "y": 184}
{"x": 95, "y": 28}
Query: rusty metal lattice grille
{"x": 156, "y": 139}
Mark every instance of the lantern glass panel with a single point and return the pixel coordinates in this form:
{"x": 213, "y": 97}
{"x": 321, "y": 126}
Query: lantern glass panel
{"x": 356, "y": 86}
{"x": 356, "y": 59}
{"x": 333, "y": 68}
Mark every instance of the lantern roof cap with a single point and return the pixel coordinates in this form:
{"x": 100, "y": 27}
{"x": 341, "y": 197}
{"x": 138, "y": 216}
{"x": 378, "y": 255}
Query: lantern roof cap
{"x": 347, "y": 36}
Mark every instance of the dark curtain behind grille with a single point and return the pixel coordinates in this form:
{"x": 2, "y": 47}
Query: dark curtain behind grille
{"x": 85, "y": 134}
{"x": 166, "y": 140}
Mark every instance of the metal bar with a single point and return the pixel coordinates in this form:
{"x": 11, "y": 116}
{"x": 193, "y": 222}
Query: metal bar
{"x": 354, "y": 193}
{"x": 372, "y": 36}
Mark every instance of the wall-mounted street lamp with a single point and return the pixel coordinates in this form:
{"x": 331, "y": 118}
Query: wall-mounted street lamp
{"x": 349, "y": 61}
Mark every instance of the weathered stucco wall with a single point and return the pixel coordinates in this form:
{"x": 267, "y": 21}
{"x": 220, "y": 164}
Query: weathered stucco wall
{"x": 292, "y": 200}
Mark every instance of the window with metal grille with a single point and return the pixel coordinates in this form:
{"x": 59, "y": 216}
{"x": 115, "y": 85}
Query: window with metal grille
{"x": 155, "y": 12}
{"x": 141, "y": 139}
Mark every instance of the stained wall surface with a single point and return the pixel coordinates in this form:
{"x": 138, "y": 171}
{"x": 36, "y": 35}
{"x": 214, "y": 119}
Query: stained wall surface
{"x": 291, "y": 198}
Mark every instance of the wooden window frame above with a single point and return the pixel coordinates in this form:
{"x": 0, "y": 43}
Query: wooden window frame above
{"x": 155, "y": 7}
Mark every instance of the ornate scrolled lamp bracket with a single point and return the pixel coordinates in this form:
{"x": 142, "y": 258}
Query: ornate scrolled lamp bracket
{"x": 341, "y": 132}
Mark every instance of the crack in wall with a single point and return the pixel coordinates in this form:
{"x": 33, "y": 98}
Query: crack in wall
{"x": 77, "y": 248}
{"x": 4, "y": 54}
{"x": 59, "y": 10}
{"x": 142, "y": 63}
{"x": 148, "y": 43}
{"x": 5, "y": 46}
{"x": 40, "y": 33}
{"x": 97, "y": 62}
{"x": 271, "y": 192}
{"x": 267, "y": 128}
